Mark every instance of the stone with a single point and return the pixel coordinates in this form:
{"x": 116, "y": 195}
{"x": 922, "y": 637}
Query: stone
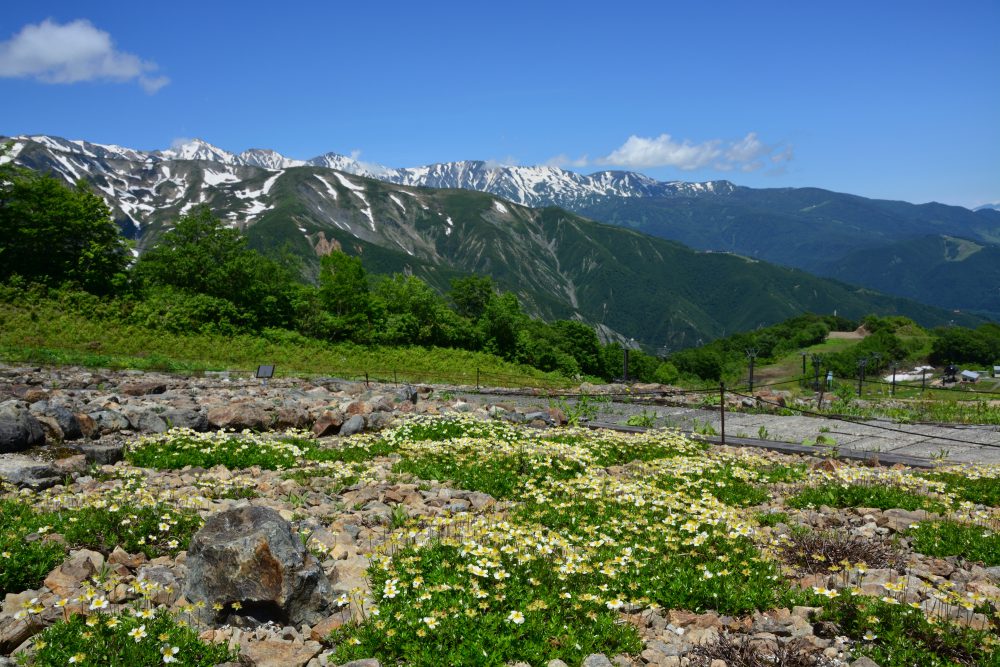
{"x": 239, "y": 416}
{"x": 408, "y": 394}
{"x": 864, "y": 662}
{"x": 556, "y": 662}
{"x": 105, "y": 452}
{"x": 110, "y": 421}
{"x": 354, "y": 425}
{"x": 145, "y": 420}
{"x": 19, "y": 430}
{"x": 14, "y": 632}
{"x": 88, "y": 427}
{"x": 378, "y": 421}
{"x": 596, "y": 660}
{"x": 900, "y": 520}
{"x": 185, "y": 418}
{"x": 68, "y": 577}
{"x": 358, "y": 408}
{"x": 290, "y": 416}
{"x": 251, "y": 555}
{"x": 366, "y": 662}
{"x": 321, "y": 631}
{"x": 143, "y": 388}
{"x": 26, "y": 472}
{"x": 121, "y": 557}
{"x": 328, "y": 423}
{"x": 70, "y": 464}
{"x": 277, "y": 653}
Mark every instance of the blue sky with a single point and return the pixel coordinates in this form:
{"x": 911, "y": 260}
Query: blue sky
{"x": 897, "y": 100}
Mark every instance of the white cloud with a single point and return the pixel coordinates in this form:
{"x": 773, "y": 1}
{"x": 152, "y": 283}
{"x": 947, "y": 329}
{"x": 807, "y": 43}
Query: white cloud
{"x": 663, "y": 151}
{"x": 747, "y": 154}
{"x": 73, "y": 52}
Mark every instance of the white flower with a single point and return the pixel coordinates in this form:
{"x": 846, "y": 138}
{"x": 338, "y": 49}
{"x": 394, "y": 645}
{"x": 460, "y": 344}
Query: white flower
{"x": 515, "y": 617}
{"x": 99, "y": 603}
{"x": 168, "y": 653}
{"x": 137, "y": 633}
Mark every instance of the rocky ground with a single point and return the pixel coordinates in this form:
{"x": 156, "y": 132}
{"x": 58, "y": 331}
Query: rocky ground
{"x": 68, "y": 427}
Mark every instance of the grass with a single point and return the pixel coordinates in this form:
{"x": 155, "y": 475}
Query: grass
{"x": 896, "y": 635}
{"x": 152, "y": 528}
{"x": 46, "y": 333}
{"x": 864, "y": 495}
{"x": 984, "y": 490}
{"x": 952, "y": 538}
{"x": 125, "y": 638}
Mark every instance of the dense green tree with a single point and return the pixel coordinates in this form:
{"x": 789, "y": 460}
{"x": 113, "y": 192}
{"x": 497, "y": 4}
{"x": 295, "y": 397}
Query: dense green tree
{"x": 501, "y": 325}
{"x": 50, "y": 233}
{"x": 471, "y": 295}
{"x": 201, "y": 255}
{"x": 409, "y": 312}
{"x": 346, "y": 295}
{"x": 970, "y": 346}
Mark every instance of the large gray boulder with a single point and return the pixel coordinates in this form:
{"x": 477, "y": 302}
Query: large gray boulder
{"x": 251, "y": 556}
{"x": 239, "y": 416}
{"x": 19, "y": 429}
{"x": 24, "y": 471}
{"x": 185, "y": 418}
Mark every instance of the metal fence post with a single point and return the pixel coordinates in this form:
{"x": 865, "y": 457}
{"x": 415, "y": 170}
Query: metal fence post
{"x": 722, "y": 411}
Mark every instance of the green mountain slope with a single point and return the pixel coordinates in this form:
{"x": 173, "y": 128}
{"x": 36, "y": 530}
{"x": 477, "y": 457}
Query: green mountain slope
{"x": 941, "y": 270}
{"x": 799, "y": 227}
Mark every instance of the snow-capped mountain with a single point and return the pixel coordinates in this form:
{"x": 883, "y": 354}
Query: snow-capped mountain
{"x": 531, "y": 186}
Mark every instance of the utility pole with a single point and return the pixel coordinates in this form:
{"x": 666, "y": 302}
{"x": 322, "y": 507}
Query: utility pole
{"x": 817, "y": 361}
{"x": 861, "y": 374}
{"x": 892, "y": 390}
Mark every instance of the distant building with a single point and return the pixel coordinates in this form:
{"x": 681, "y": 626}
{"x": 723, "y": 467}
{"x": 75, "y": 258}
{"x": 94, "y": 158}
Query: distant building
{"x": 969, "y": 376}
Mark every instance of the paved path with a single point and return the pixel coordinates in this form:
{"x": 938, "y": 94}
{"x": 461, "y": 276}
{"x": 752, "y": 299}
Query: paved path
{"x": 933, "y": 443}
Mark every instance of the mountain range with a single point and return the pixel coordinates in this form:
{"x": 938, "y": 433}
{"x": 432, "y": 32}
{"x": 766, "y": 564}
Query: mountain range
{"x": 430, "y": 221}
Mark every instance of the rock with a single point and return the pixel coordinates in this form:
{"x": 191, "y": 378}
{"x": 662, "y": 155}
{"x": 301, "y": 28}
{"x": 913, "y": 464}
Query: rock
{"x": 250, "y": 555}
{"x": 182, "y": 418}
{"x": 105, "y": 452}
{"x": 68, "y": 577}
{"x": 19, "y": 429}
{"x": 26, "y": 472}
{"x": 143, "y": 388}
{"x": 145, "y": 420}
{"x": 596, "y": 660}
{"x": 358, "y": 408}
{"x": 14, "y": 632}
{"x": 88, "y": 427}
{"x": 169, "y": 589}
{"x": 408, "y": 394}
{"x": 53, "y": 432}
{"x": 378, "y": 421}
{"x": 68, "y": 422}
{"x": 900, "y": 520}
{"x": 350, "y": 574}
{"x": 556, "y": 662}
{"x": 329, "y": 423}
{"x": 367, "y": 662}
{"x": 277, "y": 653}
{"x": 290, "y": 416}
{"x": 121, "y": 557}
{"x": 239, "y": 416}
{"x": 321, "y": 631}
{"x": 864, "y": 662}
{"x": 355, "y": 424}
{"x": 110, "y": 421}
{"x": 70, "y": 464}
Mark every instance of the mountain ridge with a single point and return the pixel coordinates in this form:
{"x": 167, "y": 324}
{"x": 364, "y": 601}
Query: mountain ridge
{"x": 559, "y": 264}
